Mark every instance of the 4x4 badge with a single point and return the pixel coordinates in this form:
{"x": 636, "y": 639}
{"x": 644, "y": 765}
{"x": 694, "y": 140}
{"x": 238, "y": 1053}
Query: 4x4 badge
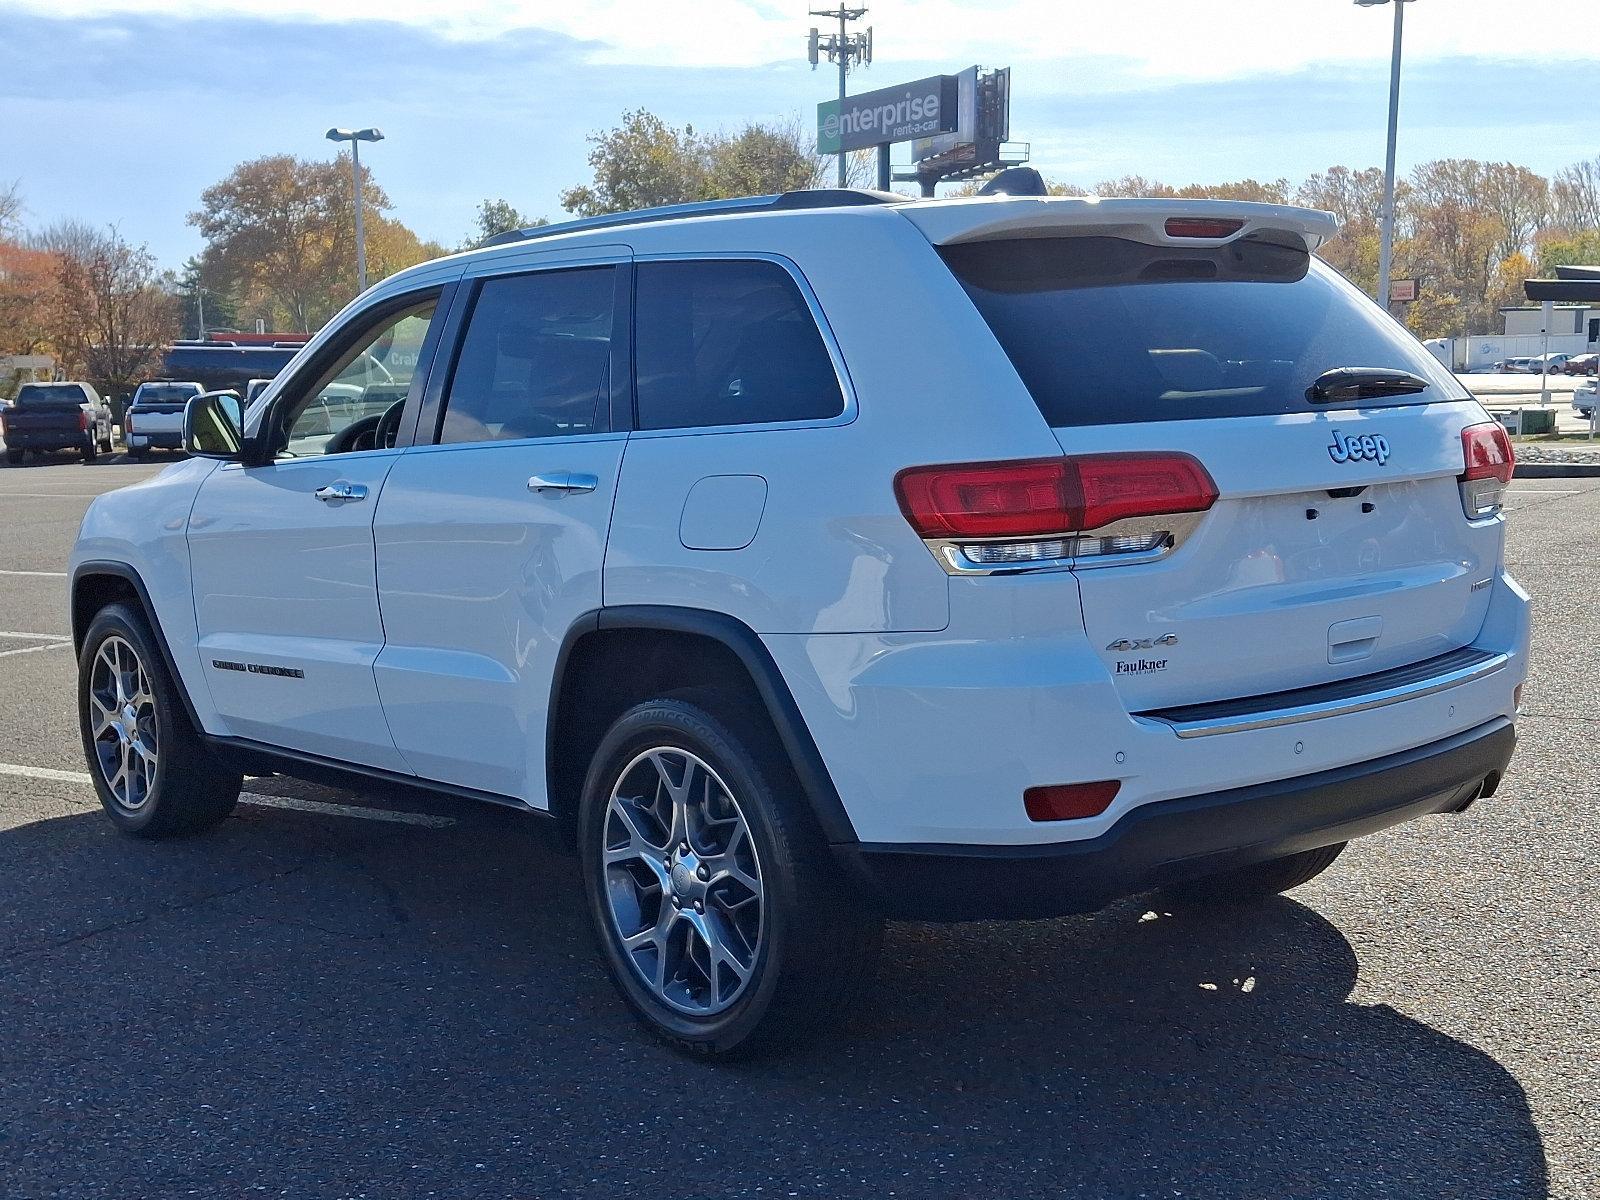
{"x": 1373, "y": 447}
{"x": 1123, "y": 645}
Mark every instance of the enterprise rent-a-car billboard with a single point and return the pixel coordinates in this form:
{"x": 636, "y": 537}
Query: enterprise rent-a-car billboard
{"x": 896, "y": 114}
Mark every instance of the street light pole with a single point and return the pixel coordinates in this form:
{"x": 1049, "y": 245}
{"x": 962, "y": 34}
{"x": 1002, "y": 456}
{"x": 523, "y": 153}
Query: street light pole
{"x": 1386, "y": 241}
{"x": 355, "y": 137}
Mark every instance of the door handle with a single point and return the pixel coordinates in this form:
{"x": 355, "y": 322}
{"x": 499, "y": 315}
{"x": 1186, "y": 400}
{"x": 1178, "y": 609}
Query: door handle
{"x": 342, "y": 490}
{"x": 563, "y": 481}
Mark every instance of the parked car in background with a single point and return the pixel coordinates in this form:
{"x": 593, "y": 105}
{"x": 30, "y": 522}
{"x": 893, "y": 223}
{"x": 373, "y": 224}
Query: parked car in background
{"x": 1583, "y": 396}
{"x": 56, "y": 416}
{"x": 1581, "y": 364}
{"x": 154, "y": 420}
{"x": 1555, "y": 364}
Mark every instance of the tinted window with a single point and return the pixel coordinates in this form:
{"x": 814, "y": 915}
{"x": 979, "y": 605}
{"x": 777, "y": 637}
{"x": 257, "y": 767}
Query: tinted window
{"x": 535, "y": 360}
{"x": 38, "y": 394}
{"x": 165, "y": 394}
{"x": 1105, "y": 330}
{"x": 728, "y": 343}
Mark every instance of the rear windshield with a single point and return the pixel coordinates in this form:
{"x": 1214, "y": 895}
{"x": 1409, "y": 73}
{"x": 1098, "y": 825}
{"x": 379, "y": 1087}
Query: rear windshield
{"x": 39, "y": 394}
{"x": 176, "y": 393}
{"x": 1105, "y": 330}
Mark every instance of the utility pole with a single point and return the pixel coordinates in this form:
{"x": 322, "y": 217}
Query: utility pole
{"x": 846, "y": 49}
{"x": 1386, "y": 240}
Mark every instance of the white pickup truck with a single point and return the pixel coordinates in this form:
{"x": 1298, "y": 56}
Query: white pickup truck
{"x": 154, "y": 417}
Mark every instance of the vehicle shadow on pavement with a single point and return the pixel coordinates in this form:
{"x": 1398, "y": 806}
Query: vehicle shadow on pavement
{"x": 321, "y": 1006}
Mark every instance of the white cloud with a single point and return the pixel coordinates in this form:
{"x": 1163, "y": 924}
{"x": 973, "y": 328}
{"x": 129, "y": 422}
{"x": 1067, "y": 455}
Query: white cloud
{"x": 1156, "y": 39}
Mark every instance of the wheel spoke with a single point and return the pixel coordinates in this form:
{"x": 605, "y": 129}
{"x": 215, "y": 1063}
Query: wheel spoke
{"x": 101, "y": 716}
{"x": 683, "y": 880}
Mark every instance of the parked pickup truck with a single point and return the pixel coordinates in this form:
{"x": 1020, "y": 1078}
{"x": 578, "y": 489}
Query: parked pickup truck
{"x": 155, "y": 416}
{"x": 56, "y": 416}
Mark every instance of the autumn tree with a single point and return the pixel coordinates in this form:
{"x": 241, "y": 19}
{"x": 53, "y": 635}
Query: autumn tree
{"x": 111, "y": 317}
{"x": 10, "y": 208}
{"x": 27, "y": 296}
{"x": 280, "y": 234}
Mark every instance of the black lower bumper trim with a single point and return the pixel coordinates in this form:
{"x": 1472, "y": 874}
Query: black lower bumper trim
{"x": 1169, "y": 841}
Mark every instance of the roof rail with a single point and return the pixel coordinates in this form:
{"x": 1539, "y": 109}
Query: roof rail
{"x": 809, "y": 198}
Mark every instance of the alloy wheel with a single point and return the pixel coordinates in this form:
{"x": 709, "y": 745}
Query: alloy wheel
{"x": 123, "y": 723}
{"x": 683, "y": 881}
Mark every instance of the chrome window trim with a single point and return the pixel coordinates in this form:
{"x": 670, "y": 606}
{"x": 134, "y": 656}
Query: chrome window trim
{"x": 1333, "y": 708}
{"x": 1178, "y": 526}
{"x": 819, "y": 318}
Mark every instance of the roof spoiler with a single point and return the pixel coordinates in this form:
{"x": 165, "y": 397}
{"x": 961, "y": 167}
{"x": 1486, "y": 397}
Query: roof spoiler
{"x": 1152, "y": 221}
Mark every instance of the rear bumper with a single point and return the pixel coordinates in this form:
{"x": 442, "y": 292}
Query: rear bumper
{"x": 1185, "y": 838}
{"x": 47, "y": 439}
{"x": 160, "y": 438}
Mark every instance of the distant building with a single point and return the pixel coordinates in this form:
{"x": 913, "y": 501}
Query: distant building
{"x": 1566, "y": 320}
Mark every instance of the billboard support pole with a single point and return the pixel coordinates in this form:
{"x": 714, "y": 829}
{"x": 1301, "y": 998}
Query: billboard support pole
{"x": 883, "y": 168}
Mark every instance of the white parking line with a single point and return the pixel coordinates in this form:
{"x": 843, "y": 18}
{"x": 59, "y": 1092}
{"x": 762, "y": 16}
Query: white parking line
{"x": 427, "y": 820}
{"x": 36, "y": 574}
{"x": 51, "y": 495}
{"x": 51, "y": 641}
{"x": 62, "y": 645}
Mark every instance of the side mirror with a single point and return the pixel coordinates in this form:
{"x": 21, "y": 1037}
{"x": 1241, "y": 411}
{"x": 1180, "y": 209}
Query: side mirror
{"x": 213, "y": 425}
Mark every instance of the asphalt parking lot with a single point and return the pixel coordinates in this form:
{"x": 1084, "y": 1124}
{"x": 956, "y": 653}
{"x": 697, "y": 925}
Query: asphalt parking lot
{"x": 342, "y": 995}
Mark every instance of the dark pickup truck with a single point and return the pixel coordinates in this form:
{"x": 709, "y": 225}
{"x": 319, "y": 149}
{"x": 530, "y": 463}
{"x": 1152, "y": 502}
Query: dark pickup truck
{"x": 56, "y": 416}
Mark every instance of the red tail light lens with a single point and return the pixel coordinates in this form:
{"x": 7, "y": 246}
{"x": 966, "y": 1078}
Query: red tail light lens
{"x": 1202, "y": 227}
{"x": 1070, "y": 801}
{"x": 1037, "y": 497}
{"x": 83, "y": 421}
{"x": 1487, "y": 452}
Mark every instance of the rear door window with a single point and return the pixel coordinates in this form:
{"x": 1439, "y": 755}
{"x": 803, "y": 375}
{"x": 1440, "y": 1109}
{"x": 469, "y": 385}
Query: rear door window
{"x": 728, "y": 342}
{"x": 1105, "y": 330}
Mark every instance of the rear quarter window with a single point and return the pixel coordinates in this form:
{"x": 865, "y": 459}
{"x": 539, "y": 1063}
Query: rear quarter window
{"x": 728, "y": 342}
{"x": 1105, "y": 330}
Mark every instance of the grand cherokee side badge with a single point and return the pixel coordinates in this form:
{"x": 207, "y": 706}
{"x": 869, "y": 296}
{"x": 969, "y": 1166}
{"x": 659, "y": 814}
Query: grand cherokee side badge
{"x": 1124, "y": 645}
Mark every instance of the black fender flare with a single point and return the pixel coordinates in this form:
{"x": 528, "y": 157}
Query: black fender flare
{"x": 746, "y": 645}
{"x": 131, "y": 576}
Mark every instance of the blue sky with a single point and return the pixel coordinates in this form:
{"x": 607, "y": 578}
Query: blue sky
{"x": 123, "y": 110}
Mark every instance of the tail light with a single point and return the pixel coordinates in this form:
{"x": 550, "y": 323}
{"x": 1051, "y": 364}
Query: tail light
{"x": 1488, "y": 462}
{"x": 83, "y": 420}
{"x": 1044, "y": 512}
{"x": 127, "y": 422}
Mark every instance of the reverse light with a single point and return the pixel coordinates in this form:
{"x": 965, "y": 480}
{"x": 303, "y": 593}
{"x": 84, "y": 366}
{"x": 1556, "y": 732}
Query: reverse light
{"x": 1070, "y": 801}
{"x": 1202, "y": 227}
{"x": 1488, "y": 461}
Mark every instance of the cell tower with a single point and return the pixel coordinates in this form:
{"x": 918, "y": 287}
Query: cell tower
{"x": 845, "y": 48}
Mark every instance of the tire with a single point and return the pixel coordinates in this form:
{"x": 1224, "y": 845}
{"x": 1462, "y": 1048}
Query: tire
{"x": 91, "y": 450}
{"x": 1261, "y": 880}
{"x": 140, "y": 453}
{"x": 154, "y": 775}
{"x": 15, "y": 456}
{"x": 788, "y": 968}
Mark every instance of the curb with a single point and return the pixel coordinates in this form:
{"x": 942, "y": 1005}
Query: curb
{"x": 1544, "y": 470}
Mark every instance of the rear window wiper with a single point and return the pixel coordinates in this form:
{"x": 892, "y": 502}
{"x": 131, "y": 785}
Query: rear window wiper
{"x": 1363, "y": 383}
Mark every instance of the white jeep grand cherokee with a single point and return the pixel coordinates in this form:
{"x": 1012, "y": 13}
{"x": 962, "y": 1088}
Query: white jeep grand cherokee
{"x": 818, "y": 558}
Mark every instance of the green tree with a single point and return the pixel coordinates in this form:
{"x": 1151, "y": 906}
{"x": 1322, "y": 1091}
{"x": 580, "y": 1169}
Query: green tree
{"x": 642, "y": 163}
{"x": 495, "y": 217}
